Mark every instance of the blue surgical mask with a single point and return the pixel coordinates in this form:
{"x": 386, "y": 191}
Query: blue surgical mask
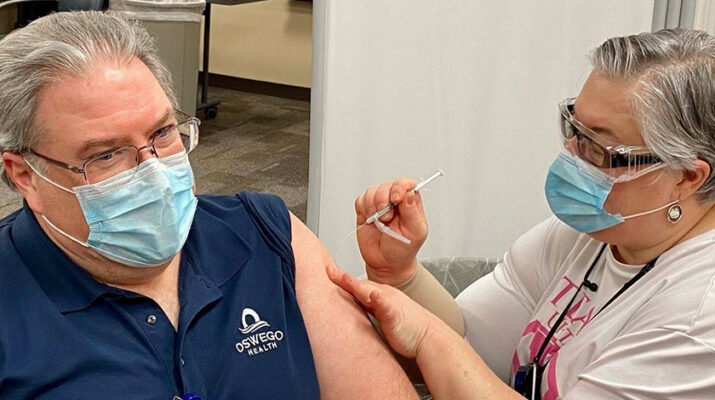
{"x": 141, "y": 217}
{"x": 577, "y": 192}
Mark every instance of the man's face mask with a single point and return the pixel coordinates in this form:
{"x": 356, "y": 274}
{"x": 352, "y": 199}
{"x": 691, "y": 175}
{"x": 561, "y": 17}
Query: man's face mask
{"x": 140, "y": 218}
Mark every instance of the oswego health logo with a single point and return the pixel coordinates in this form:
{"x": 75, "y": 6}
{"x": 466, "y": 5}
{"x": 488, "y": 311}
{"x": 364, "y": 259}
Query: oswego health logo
{"x": 257, "y": 343}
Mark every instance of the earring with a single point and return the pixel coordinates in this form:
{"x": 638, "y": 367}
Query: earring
{"x": 675, "y": 212}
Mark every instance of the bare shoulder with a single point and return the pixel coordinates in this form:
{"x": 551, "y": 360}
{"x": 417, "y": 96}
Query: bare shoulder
{"x": 351, "y": 360}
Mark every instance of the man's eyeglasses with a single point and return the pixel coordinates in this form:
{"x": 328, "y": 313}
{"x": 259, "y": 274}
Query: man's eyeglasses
{"x": 622, "y": 160}
{"x": 182, "y": 135}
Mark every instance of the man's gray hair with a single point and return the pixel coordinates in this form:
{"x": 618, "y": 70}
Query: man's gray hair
{"x": 674, "y": 93}
{"x": 63, "y": 44}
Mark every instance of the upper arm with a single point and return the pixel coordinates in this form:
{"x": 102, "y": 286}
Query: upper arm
{"x": 350, "y": 358}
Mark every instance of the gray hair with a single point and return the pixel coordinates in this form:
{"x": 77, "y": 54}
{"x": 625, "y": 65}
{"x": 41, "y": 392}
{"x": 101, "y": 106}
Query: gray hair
{"x": 63, "y": 44}
{"x": 674, "y": 93}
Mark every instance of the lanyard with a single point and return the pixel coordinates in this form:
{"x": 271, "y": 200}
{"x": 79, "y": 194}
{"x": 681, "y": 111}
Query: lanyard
{"x": 585, "y": 282}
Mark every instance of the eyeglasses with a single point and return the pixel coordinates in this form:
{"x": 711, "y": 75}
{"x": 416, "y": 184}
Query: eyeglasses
{"x": 621, "y": 161}
{"x": 182, "y": 135}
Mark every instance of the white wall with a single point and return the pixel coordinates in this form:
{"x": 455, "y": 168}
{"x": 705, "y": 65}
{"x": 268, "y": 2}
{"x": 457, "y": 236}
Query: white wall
{"x": 404, "y": 87}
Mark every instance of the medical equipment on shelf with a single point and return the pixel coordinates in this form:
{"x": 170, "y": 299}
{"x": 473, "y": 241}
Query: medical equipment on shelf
{"x": 375, "y": 218}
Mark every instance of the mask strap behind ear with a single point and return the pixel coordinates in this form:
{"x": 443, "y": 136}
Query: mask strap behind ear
{"x": 67, "y": 235}
{"x": 46, "y": 179}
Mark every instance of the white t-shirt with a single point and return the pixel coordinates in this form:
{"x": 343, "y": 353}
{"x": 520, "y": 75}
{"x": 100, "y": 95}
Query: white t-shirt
{"x": 655, "y": 341}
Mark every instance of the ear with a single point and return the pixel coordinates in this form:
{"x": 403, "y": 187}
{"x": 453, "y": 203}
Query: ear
{"x": 693, "y": 179}
{"x": 22, "y": 176}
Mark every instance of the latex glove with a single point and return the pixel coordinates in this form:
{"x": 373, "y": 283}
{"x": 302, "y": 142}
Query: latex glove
{"x": 387, "y": 259}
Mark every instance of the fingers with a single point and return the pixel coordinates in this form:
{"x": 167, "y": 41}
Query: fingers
{"x": 384, "y": 311}
{"x": 378, "y": 197}
{"x": 382, "y": 200}
{"x": 360, "y": 290}
{"x": 400, "y": 187}
{"x": 412, "y": 214}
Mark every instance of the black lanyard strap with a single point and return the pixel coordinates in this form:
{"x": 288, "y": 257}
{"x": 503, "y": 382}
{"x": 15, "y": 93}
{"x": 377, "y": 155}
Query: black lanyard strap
{"x": 628, "y": 284}
{"x": 559, "y": 320}
{"x": 625, "y": 287}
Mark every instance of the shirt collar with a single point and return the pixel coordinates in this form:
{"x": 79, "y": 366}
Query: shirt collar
{"x": 69, "y": 286}
{"x": 218, "y": 249}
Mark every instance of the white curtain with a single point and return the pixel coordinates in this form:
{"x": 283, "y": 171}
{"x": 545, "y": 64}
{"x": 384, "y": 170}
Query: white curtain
{"x": 674, "y": 13}
{"x": 402, "y": 87}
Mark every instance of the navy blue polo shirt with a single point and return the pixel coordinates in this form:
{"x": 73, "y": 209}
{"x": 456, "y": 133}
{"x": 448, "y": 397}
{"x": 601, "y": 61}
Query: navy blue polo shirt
{"x": 63, "y": 335}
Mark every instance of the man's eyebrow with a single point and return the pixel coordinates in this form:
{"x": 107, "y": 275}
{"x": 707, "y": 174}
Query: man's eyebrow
{"x": 162, "y": 120}
{"x": 160, "y": 123}
{"x": 92, "y": 144}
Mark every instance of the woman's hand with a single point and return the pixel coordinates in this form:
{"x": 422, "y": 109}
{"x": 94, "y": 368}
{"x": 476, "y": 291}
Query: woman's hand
{"x": 387, "y": 259}
{"x": 403, "y": 322}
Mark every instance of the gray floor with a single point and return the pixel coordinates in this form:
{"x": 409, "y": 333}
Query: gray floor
{"x": 257, "y": 143}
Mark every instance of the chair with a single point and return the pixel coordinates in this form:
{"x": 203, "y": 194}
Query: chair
{"x": 456, "y": 273}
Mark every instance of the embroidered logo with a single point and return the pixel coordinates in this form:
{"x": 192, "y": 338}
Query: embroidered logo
{"x": 260, "y": 342}
{"x": 257, "y": 322}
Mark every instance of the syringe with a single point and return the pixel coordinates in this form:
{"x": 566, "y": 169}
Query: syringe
{"x": 374, "y": 217}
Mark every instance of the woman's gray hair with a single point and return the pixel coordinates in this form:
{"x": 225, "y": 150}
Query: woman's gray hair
{"x": 674, "y": 93}
{"x": 63, "y": 44}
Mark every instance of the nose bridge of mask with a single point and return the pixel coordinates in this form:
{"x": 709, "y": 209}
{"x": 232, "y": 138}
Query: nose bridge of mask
{"x": 150, "y": 178}
{"x": 587, "y": 168}
{"x": 596, "y": 184}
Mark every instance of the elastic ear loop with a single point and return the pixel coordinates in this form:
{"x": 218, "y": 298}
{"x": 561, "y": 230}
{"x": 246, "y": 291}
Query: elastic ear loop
{"x": 640, "y": 214}
{"x": 46, "y": 179}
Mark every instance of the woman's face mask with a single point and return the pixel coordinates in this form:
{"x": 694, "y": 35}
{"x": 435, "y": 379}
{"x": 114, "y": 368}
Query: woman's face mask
{"x": 577, "y": 191}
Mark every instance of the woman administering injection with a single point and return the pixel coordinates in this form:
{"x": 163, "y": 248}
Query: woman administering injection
{"x": 614, "y": 297}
